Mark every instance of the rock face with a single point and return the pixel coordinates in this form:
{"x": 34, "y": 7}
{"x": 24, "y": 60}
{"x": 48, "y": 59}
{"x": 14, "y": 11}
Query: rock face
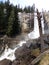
{"x": 22, "y": 52}
{"x": 16, "y": 62}
{"x": 23, "y": 55}
{"x": 5, "y": 62}
{"x": 2, "y": 46}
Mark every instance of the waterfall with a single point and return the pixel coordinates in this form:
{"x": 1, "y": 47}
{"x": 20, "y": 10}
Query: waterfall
{"x": 9, "y": 53}
{"x": 35, "y": 33}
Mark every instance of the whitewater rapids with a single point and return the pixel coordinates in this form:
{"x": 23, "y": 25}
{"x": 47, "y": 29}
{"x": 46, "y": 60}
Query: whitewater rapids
{"x": 9, "y": 53}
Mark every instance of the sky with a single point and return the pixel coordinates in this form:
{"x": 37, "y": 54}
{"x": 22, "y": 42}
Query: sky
{"x": 40, "y": 4}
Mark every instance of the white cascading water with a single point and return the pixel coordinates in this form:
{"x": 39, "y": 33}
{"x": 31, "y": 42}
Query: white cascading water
{"x": 35, "y": 33}
{"x": 9, "y": 53}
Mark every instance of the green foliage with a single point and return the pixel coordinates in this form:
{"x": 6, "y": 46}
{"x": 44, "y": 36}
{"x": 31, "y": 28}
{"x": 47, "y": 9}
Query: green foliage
{"x": 19, "y": 9}
{"x": 9, "y": 19}
{"x": 10, "y": 23}
{"x": 25, "y": 9}
{"x": 16, "y": 24}
{"x": 5, "y": 9}
{"x": 13, "y": 23}
{"x": 8, "y": 8}
{"x": 1, "y": 16}
{"x": 29, "y": 9}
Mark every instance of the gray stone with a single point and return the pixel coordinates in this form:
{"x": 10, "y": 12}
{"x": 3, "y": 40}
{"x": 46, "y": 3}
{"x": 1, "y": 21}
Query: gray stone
{"x": 5, "y": 62}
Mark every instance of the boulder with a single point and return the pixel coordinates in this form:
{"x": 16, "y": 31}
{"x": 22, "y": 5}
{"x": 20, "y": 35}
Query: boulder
{"x": 22, "y": 52}
{"x": 16, "y": 62}
{"x": 19, "y": 62}
{"x": 5, "y": 62}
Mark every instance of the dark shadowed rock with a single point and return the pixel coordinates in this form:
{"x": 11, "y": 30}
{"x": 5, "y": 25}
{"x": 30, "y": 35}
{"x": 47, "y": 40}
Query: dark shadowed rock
{"x": 22, "y": 52}
{"x": 24, "y": 55}
{"x": 19, "y": 62}
{"x": 2, "y": 46}
{"x": 16, "y": 62}
{"x": 5, "y": 62}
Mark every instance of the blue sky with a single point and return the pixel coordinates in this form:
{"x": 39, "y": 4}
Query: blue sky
{"x": 2, "y": 0}
{"x": 38, "y": 3}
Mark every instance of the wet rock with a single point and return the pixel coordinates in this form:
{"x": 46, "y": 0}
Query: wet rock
{"x": 5, "y": 62}
{"x": 22, "y": 52}
{"x": 24, "y": 55}
{"x": 12, "y": 44}
{"x": 29, "y": 43}
{"x": 2, "y": 46}
{"x": 15, "y": 62}
{"x": 19, "y": 62}
{"x": 32, "y": 44}
{"x": 46, "y": 39}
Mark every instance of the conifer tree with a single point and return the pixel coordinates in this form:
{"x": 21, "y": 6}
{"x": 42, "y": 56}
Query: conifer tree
{"x": 10, "y": 24}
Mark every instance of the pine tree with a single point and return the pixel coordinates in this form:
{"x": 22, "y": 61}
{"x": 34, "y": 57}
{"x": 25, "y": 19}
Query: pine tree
{"x": 10, "y": 24}
{"x": 8, "y": 8}
{"x": 1, "y": 17}
{"x": 16, "y": 24}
